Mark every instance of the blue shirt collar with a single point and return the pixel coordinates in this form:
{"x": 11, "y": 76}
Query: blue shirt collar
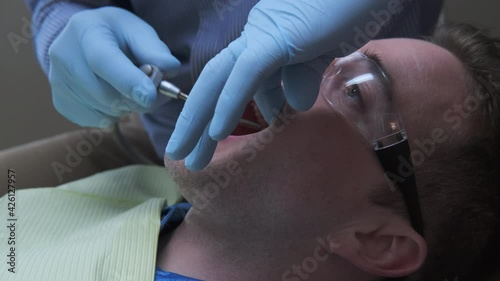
{"x": 171, "y": 217}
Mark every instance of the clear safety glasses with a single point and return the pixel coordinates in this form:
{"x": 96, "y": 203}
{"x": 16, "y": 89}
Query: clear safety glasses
{"x": 357, "y": 87}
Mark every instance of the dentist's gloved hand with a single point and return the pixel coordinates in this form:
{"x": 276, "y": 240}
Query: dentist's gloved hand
{"x": 93, "y": 71}
{"x": 282, "y": 40}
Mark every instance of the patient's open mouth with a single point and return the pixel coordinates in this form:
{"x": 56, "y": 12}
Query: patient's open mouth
{"x": 251, "y": 122}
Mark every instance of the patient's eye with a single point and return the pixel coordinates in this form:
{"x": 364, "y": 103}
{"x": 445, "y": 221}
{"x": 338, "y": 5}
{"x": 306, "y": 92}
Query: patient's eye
{"x": 355, "y": 96}
{"x": 357, "y": 86}
{"x": 353, "y": 91}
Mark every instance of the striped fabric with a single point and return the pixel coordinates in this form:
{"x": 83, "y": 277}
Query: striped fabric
{"x": 101, "y": 228}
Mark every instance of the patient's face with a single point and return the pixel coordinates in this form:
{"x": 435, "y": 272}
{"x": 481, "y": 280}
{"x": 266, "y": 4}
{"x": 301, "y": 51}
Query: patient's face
{"x": 315, "y": 167}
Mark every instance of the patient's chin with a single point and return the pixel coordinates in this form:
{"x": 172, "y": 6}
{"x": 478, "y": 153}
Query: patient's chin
{"x": 183, "y": 177}
{"x": 176, "y": 169}
{"x": 198, "y": 188}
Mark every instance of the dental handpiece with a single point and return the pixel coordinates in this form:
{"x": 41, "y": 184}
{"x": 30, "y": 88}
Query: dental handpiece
{"x": 170, "y": 90}
{"x": 164, "y": 87}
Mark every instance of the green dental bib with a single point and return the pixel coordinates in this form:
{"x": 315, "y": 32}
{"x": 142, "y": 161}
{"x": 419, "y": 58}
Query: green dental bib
{"x": 103, "y": 227}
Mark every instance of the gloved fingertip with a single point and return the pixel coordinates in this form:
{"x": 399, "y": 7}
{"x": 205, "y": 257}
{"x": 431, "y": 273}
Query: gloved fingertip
{"x": 301, "y": 106}
{"x": 304, "y": 103}
{"x": 145, "y": 93}
{"x": 172, "y": 151}
{"x": 199, "y": 159}
{"x": 167, "y": 62}
{"x": 216, "y": 129}
{"x": 193, "y": 165}
{"x": 170, "y": 66}
{"x": 217, "y": 133}
{"x": 172, "y": 156}
{"x": 270, "y": 106}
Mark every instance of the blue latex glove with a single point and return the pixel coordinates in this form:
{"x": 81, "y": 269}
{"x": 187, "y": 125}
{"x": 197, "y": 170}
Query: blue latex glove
{"x": 282, "y": 40}
{"x": 93, "y": 71}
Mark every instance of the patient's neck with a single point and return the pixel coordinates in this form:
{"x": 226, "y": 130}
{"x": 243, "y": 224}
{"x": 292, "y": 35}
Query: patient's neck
{"x": 224, "y": 252}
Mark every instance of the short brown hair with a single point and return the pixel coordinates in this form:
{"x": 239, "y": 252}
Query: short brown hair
{"x": 459, "y": 184}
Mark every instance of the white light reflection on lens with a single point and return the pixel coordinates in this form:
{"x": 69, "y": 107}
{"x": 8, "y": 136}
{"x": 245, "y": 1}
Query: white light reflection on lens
{"x": 360, "y": 79}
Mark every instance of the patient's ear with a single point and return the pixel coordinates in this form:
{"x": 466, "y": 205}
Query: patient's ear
{"x": 394, "y": 250}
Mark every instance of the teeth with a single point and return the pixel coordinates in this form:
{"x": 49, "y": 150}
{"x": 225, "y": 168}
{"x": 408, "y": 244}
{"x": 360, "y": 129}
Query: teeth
{"x": 250, "y": 124}
{"x": 260, "y": 118}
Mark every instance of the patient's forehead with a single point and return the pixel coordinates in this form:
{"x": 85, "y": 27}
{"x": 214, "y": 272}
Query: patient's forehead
{"x": 427, "y": 81}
